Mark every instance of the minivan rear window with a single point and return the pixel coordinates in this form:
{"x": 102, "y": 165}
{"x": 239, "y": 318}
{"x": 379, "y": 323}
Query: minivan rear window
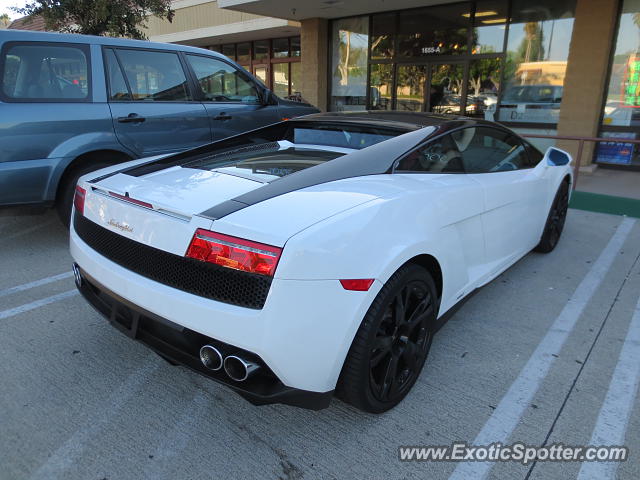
{"x": 35, "y": 71}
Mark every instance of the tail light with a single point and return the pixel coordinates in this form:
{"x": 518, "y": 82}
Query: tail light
{"x": 232, "y": 252}
{"x": 78, "y": 199}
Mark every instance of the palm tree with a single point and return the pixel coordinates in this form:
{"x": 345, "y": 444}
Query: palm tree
{"x": 5, "y": 21}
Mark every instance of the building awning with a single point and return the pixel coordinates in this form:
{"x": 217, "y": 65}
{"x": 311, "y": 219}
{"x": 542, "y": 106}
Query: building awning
{"x": 253, "y": 29}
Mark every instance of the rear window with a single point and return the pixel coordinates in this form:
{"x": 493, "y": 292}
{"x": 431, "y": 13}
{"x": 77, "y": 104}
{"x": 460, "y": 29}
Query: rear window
{"x": 35, "y": 71}
{"x": 265, "y": 162}
{"x": 339, "y": 136}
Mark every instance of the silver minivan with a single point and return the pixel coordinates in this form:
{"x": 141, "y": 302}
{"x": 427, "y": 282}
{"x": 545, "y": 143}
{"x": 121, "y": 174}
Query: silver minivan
{"x": 70, "y": 104}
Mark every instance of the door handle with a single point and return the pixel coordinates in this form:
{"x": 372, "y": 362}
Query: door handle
{"x": 131, "y": 118}
{"x": 223, "y": 116}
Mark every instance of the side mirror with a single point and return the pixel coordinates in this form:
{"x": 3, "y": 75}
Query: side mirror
{"x": 556, "y": 157}
{"x": 268, "y": 98}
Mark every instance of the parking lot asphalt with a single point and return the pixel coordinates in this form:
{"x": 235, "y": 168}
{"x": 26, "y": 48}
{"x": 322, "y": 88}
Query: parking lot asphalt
{"x": 546, "y": 353}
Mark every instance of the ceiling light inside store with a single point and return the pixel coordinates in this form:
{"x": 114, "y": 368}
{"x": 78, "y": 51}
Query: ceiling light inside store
{"x": 495, "y": 20}
{"x": 486, "y": 13}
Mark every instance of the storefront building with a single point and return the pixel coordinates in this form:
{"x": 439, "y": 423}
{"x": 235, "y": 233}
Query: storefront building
{"x": 547, "y": 67}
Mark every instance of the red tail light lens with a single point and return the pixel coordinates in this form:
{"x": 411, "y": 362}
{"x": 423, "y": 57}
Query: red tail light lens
{"x": 358, "y": 285}
{"x": 78, "y": 199}
{"x": 233, "y": 252}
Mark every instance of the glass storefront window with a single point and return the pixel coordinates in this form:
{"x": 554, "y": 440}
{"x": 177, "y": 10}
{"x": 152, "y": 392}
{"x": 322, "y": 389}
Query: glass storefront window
{"x": 410, "y": 84}
{"x": 381, "y": 85}
{"x": 489, "y": 26}
{"x": 229, "y": 51}
{"x": 244, "y": 55}
{"x": 622, "y": 107}
{"x": 296, "y": 78}
{"x": 280, "y": 79}
{"x": 295, "y": 47}
{"x": 349, "y": 44}
{"x": 280, "y": 47}
{"x": 441, "y": 30}
{"x": 261, "y": 50}
{"x": 445, "y": 89}
{"x": 537, "y": 51}
{"x": 483, "y": 85}
{"x": 383, "y": 35}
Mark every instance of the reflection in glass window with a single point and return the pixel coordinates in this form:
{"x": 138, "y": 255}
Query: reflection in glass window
{"x": 622, "y": 106}
{"x": 537, "y": 52}
{"x": 410, "y": 83}
{"x": 154, "y": 75}
{"x": 261, "y": 49}
{"x": 36, "y": 71}
{"x": 445, "y": 94}
{"x": 296, "y": 78}
{"x": 623, "y": 96}
{"x": 383, "y": 35}
{"x": 229, "y": 51}
{"x": 280, "y": 47}
{"x": 381, "y": 85}
{"x": 349, "y": 43}
{"x": 295, "y": 46}
{"x": 243, "y": 52}
{"x": 484, "y": 85}
{"x": 489, "y": 26}
{"x": 441, "y": 30}
{"x": 280, "y": 79}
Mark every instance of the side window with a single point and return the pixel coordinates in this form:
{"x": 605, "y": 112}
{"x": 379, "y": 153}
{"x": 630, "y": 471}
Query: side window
{"x": 490, "y": 150}
{"x": 221, "y": 82}
{"x": 117, "y": 86}
{"x": 37, "y": 71}
{"x": 438, "y": 156}
{"x": 153, "y": 76}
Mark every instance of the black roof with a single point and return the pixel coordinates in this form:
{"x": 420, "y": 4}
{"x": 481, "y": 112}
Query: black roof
{"x": 387, "y": 118}
{"x": 406, "y": 121}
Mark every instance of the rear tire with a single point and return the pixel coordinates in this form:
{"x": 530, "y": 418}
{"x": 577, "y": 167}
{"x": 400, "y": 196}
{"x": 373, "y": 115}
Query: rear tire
{"x": 555, "y": 221}
{"x": 67, "y": 187}
{"x": 392, "y": 343}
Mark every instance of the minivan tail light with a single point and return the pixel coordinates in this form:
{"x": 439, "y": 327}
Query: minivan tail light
{"x": 78, "y": 199}
{"x": 233, "y": 252}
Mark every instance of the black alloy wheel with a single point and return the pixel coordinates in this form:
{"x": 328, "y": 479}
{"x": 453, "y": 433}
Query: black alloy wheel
{"x": 392, "y": 343}
{"x": 555, "y": 220}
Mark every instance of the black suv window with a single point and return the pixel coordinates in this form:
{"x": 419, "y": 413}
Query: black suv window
{"x": 42, "y": 71}
{"x": 221, "y": 82}
{"x": 438, "y": 156}
{"x": 151, "y": 76}
{"x": 485, "y": 149}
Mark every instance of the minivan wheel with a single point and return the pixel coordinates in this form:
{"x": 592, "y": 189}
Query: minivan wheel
{"x": 392, "y": 343}
{"x": 67, "y": 188}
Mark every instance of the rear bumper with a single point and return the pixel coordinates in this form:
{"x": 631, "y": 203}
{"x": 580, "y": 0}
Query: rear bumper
{"x": 302, "y": 334}
{"x": 181, "y": 346}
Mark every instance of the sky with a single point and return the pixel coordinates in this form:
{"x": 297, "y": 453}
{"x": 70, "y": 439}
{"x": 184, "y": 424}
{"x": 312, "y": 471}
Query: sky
{"x": 5, "y": 7}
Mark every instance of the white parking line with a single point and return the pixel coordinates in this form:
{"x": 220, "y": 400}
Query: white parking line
{"x": 65, "y": 457}
{"x": 507, "y": 414}
{"x": 37, "y": 304}
{"x": 36, "y": 283}
{"x": 613, "y": 419}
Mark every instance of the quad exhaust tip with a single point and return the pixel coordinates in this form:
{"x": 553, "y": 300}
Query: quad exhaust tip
{"x": 211, "y": 357}
{"x": 239, "y": 369}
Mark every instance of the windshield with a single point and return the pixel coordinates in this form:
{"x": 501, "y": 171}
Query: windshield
{"x": 266, "y": 162}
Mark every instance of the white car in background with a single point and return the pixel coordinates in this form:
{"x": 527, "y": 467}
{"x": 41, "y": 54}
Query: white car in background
{"x": 314, "y": 256}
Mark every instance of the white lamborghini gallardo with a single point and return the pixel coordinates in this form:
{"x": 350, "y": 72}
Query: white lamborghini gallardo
{"x": 317, "y": 255}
